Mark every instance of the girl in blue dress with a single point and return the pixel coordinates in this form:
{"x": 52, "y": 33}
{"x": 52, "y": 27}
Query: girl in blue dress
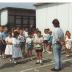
{"x": 16, "y": 52}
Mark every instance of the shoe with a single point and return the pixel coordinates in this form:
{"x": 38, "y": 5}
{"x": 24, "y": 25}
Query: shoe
{"x": 3, "y": 57}
{"x": 10, "y": 60}
{"x": 67, "y": 55}
{"x": 15, "y": 62}
{"x": 53, "y": 69}
{"x": 37, "y": 63}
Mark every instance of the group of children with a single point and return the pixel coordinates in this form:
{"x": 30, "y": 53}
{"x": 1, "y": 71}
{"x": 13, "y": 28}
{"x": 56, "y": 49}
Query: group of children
{"x": 14, "y": 41}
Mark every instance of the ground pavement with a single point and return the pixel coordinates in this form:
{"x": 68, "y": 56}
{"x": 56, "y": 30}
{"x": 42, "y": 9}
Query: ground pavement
{"x": 27, "y": 65}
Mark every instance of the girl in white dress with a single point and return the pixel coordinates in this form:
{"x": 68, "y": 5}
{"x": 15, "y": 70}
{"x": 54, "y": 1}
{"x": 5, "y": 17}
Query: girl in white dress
{"x": 8, "y": 50}
{"x": 68, "y": 41}
{"x": 16, "y": 51}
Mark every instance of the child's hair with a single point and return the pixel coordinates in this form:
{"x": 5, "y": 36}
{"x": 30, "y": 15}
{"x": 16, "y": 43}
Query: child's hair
{"x": 38, "y": 32}
{"x": 46, "y": 30}
{"x": 10, "y": 33}
{"x": 16, "y": 34}
{"x": 68, "y": 34}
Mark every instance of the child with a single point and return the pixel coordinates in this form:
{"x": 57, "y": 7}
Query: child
{"x": 16, "y": 52}
{"x": 68, "y": 43}
{"x": 50, "y": 42}
{"x": 29, "y": 42}
{"x": 45, "y": 37}
{"x": 8, "y": 50}
{"x": 22, "y": 41}
{"x": 38, "y": 47}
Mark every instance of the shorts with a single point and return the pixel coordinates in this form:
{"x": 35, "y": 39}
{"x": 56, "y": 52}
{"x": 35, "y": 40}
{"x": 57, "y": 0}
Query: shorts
{"x": 30, "y": 47}
{"x": 39, "y": 50}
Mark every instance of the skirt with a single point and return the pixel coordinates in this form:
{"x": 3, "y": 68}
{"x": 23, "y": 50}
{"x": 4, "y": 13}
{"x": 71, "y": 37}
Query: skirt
{"x": 8, "y": 50}
{"x": 16, "y": 52}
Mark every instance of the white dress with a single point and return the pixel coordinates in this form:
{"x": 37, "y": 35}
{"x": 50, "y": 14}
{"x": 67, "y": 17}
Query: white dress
{"x": 8, "y": 50}
{"x": 16, "y": 52}
{"x": 45, "y": 36}
{"x": 68, "y": 42}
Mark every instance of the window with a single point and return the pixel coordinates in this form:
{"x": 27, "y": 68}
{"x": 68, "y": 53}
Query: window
{"x": 31, "y": 20}
{"x": 25, "y": 20}
{"x": 11, "y": 19}
{"x": 18, "y": 19}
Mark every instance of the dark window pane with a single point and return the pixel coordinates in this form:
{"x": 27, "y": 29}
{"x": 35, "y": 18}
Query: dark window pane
{"x": 11, "y": 19}
{"x": 18, "y": 17}
{"x": 31, "y": 21}
{"x": 18, "y": 21}
{"x": 25, "y": 20}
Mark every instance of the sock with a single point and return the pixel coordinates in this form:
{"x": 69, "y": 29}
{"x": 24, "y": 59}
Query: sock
{"x": 38, "y": 61}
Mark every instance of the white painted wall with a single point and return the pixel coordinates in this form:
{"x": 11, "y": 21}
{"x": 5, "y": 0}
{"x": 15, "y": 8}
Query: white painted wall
{"x": 4, "y": 17}
{"x": 45, "y": 14}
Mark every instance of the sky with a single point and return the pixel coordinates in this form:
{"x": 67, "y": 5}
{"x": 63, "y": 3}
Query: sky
{"x": 18, "y": 5}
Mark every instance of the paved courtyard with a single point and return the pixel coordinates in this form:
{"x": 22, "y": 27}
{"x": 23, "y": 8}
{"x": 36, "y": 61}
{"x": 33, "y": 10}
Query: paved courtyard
{"x": 27, "y": 65}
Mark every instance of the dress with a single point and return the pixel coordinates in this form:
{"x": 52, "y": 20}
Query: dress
{"x": 68, "y": 43}
{"x": 8, "y": 50}
{"x": 16, "y": 51}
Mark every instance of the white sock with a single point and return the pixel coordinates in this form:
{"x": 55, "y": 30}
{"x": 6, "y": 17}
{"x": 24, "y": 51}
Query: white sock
{"x": 38, "y": 61}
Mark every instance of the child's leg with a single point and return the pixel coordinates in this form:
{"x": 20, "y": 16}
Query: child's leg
{"x": 40, "y": 57}
{"x": 49, "y": 48}
{"x": 30, "y": 53}
{"x": 37, "y": 57}
{"x": 10, "y": 57}
{"x": 45, "y": 47}
{"x": 23, "y": 49}
{"x": 67, "y": 52}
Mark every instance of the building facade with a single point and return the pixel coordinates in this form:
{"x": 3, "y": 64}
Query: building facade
{"x": 12, "y": 17}
{"x": 46, "y": 12}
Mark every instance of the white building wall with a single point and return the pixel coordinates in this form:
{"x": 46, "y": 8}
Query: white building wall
{"x": 4, "y": 17}
{"x": 41, "y": 19}
{"x": 45, "y": 15}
